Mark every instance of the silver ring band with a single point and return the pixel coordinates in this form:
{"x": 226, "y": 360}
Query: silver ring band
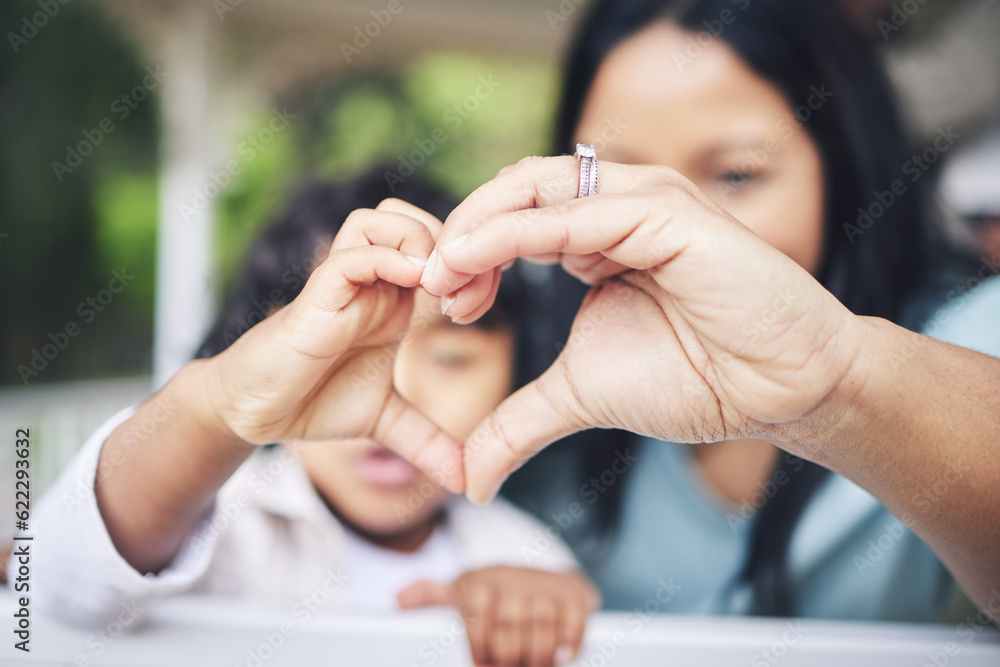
{"x": 588, "y": 169}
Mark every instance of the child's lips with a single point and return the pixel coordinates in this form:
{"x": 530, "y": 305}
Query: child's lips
{"x": 381, "y": 467}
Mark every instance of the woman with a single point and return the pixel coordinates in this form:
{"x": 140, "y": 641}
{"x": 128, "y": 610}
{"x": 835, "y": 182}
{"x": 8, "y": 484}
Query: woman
{"x": 779, "y": 112}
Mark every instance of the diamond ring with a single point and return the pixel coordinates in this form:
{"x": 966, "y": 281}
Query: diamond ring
{"x": 588, "y": 169}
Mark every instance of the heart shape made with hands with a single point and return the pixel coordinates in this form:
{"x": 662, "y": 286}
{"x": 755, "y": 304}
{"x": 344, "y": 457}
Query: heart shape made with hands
{"x": 659, "y": 347}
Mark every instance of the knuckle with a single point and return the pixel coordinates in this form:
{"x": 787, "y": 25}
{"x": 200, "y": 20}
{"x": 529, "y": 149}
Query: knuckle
{"x": 507, "y": 621}
{"x": 529, "y": 161}
{"x": 531, "y": 166}
{"x": 390, "y": 202}
{"x": 543, "y": 621}
{"x": 507, "y": 618}
{"x": 357, "y": 217}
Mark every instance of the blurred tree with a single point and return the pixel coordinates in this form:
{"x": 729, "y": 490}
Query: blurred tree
{"x": 60, "y": 78}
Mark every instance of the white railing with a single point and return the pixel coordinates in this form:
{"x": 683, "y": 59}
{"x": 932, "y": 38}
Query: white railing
{"x": 196, "y": 631}
{"x": 59, "y": 417}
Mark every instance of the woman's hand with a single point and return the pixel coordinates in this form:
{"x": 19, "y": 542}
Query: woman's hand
{"x": 696, "y": 330}
{"x": 515, "y": 616}
{"x": 321, "y": 367}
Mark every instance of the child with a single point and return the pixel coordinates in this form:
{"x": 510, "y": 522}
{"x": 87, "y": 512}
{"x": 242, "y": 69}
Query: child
{"x": 326, "y": 361}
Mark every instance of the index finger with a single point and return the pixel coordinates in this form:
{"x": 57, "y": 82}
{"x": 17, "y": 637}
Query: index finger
{"x": 534, "y": 182}
{"x": 393, "y": 205}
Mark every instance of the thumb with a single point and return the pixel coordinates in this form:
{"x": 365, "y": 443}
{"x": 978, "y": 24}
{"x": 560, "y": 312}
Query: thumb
{"x": 426, "y": 594}
{"x": 530, "y": 419}
{"x": 404, "y": 429}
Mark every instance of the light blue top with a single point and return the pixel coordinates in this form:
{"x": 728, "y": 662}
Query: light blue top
{"x": 679, "y": 546}
{"x": 849, "y": 557}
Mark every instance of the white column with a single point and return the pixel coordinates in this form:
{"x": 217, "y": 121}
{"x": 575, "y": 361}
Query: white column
{"x": 184, "y": 254}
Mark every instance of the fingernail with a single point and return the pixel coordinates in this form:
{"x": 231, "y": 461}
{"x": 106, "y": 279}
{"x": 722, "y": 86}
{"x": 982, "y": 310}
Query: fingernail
{"x": 416, "y": 260}
{"x": 454, "y": 243}
{"x": 563, "y": 654}
{"x": 429, "y": 267}
{"x": 489, "y": 498}
{"x": 446, "y": 302}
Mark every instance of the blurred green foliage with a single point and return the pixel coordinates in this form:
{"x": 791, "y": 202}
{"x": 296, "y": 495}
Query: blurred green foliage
{"x": 386, "y": 119}
{"x": 125, "y": 205}
{"x": 346, "y": 125}
{"x": 59, "y": 83}
{"x": 65, "y": 238}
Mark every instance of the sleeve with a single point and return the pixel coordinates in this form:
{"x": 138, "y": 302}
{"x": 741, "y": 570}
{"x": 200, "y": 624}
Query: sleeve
{"x": 79, "y": 576}
{"x": 500, "y": 534}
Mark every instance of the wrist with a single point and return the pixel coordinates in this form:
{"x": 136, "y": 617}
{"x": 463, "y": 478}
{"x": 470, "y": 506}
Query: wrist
{"x": 199, "y": 382}
{"x": 824, "y": 433}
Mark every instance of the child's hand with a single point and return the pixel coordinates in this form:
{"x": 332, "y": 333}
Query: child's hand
{"x": 322, "y": 366}
{"x": 514, "y": 616}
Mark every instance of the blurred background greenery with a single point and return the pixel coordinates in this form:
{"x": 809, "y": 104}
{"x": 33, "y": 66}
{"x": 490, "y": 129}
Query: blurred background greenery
{"x": 64, "y": 238}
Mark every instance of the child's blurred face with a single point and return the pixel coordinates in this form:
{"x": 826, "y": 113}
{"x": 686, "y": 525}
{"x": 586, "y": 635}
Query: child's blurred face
{"x": 710, "y": 117}
{"x": 453, "y": 374}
